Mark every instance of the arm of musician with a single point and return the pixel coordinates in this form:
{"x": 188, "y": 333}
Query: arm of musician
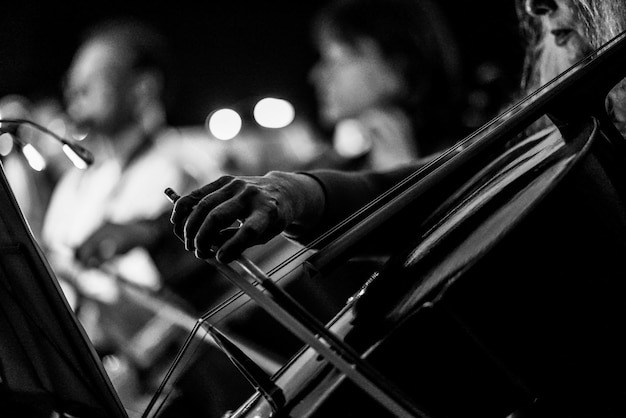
{"x": 78, "y": 281}
{"x": 267, "y": 205}
{"x": 346, "y": 192}
{"x": 113, "y": 239}
{"x": 300, "y": 205}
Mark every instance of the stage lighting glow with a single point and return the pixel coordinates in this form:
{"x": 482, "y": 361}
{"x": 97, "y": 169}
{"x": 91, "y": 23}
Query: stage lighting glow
{"x": 224, "y": 124}
{"x": 6, "y": 144}
{"x": 58, "y": 125}
{"x": 74, "y": 158}
{"x": 273, "y": 113}
{"x": 34, "y": 158}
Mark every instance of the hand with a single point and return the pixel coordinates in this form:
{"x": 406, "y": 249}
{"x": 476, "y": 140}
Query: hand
{"x": 267, "y": 205}
{"x": 111, "y": 240}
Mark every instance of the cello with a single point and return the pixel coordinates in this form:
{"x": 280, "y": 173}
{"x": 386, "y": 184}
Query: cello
{"x": 508, "y": 300}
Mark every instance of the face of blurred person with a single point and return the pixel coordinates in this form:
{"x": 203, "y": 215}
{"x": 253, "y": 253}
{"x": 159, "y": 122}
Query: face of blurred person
{"x": 98, "y": 91}
{"x": 349, "y": 79}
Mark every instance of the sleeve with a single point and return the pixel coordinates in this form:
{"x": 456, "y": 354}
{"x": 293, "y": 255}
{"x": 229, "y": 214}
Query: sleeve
{"x": 347, "y": 192}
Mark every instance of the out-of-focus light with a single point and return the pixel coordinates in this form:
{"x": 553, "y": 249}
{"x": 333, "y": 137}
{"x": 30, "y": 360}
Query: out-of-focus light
{"x": 74, "y": 158}
{"x": 224, "y": 124}
{"x": 349, "y": 141}
{"x": 58, "y": 126}
{"x": 34, "y": 158}
{"x": 6, "y": 144}
{"x": 273, "y": 113}
{"x": 77, "y": 135}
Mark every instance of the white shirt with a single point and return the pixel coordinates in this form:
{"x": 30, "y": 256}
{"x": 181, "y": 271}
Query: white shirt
{"x": 83, "y": 200}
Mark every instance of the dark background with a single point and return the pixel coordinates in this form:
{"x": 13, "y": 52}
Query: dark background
{"x": 229, "y": 51}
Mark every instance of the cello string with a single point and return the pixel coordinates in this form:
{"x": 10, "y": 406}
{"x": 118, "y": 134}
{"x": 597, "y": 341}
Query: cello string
{"x": 365, "y": 378}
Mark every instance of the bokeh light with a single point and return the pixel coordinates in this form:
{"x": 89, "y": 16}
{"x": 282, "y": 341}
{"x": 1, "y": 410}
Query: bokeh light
{"x": 74, "y": 158}
{"x": 273, "y": 113}
{"x": 6, "y": 144}
{"x": 224, "y": 124}
{"x": 34, "y": 158}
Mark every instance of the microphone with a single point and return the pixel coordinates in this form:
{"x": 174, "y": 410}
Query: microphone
{"x": 77, "y": 154}
{"x": 80, "y": 156}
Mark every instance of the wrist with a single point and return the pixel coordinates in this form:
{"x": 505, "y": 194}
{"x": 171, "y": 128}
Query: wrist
{"x": 305, "y": 197}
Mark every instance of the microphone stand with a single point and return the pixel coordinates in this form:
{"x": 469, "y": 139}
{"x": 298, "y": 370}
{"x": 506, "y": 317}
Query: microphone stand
{"x": 80, "y": 156}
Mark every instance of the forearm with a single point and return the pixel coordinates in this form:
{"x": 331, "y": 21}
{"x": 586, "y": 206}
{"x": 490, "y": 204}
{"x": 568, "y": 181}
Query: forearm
{"x": 343, "y": 194}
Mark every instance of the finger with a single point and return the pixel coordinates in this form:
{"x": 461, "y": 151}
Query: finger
{"x": 181, "y": 210}
{"x": 224, "y": 235}
{"x": 213, "y": 213}
{"x": 186, "y": 204}
{"x": 204, "y": 256}
{"x": 233, "y": 247}
{"x": 210, "y": 234}
{"x": 257, "y": 229}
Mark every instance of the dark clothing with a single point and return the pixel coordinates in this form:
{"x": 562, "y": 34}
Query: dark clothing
{"x": 347, "y": 192}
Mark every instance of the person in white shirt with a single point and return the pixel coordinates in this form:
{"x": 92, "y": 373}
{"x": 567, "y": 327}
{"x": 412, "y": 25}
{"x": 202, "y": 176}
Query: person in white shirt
{"x": 104, "y": 227}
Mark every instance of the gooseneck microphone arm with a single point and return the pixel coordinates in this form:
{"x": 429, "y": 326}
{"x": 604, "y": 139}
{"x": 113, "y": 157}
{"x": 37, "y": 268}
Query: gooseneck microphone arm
{"x": 82, "y": 153}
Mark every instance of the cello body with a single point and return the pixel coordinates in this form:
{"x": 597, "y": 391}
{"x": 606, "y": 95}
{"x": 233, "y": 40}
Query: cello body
{"x": 510, "y": 300}
{"x": 522, "y": 316}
